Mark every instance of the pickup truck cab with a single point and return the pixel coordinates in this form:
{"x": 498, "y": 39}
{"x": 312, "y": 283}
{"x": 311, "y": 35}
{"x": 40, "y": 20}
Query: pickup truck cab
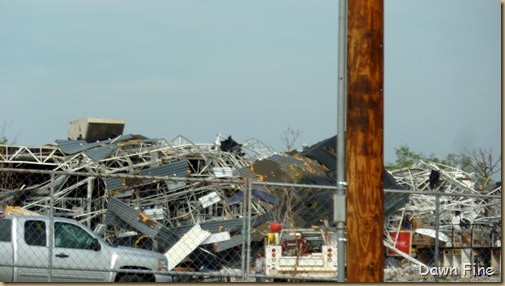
{"x": 44, "y": 249}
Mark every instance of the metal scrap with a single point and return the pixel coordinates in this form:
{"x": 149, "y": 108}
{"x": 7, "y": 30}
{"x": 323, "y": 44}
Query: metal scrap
{"x": 163, "y": 210}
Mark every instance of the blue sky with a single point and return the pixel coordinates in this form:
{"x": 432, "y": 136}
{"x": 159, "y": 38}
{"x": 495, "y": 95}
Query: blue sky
{"x": 249, "y": 69}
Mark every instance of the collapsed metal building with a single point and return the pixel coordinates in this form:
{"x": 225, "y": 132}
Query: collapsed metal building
{"x": 114, "y": 204}
{"x": 451, "y": 222}
{"x": 144, "y": 210}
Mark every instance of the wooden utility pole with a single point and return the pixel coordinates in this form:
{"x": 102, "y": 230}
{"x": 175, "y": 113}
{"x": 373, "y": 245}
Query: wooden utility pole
{"x": 364, "y": 141}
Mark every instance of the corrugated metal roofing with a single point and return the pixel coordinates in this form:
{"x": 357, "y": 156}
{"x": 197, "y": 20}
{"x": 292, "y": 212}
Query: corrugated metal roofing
{"x": 246, "y": 172}
{"x": 263, "y": 195}
{"x": 213, "y": 226}
{"x": 174, "y": 169}
{"x": 393, "y": 202}
{"x": 324, "y": 153}
{"x": 227, "y": 244}
{"x": 257, "y": 220}
{"x": 216, "y": 226}
{"x": 259, "y": 193}
{"x": 235, "y": 199}
{"x": 114, "y": 183}
{"x": 131, "y": 216}
{"x": 286, "y": 161}
{"x": 100, "y": 153}
{"x": 70, "y": 147}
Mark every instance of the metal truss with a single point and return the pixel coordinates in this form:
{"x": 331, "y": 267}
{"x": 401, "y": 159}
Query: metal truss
{"x": 154, "y": 169}
{"x": 458, "y": 199}
{"x": 85, "y": 198}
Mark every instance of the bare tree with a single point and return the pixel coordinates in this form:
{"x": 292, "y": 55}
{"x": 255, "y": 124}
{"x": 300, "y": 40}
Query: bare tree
{"x": 3, "y": 138}
{"x": 289, "y": 137}
{"x": 484, "y": 164}
{"x": 299, "y": 207}
{"x": 296, "y": 206}
{"x": 8, "y": 180}
{"x": 283, "y": 211}
{"x": 479, "y": 161}
{"x": 3, "y": 133}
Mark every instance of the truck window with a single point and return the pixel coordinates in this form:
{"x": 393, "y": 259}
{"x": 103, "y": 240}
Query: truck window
{"x": 314, "y": 244}
{"x": 5, "y": 230}
{"x": 35, "y": 233}
{"x": 71, "y": 236}
{"x": 291, "y": 249}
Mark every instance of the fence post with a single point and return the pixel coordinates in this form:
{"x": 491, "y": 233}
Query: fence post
{"x": 244, "y": 236}
{"x": 249, "y": 227}
{"x": 437, "y": 231}
{"x": 339, "y": 198}
{"x": 50, "y": 229}
{"x": 89, "y": 198}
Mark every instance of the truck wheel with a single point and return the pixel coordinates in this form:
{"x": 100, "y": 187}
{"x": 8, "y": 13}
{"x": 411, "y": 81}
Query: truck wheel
{"x": 132, "y": 278}
{"x": 184, "y": 278}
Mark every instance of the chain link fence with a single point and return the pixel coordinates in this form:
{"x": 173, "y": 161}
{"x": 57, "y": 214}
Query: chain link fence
{"x": 71, "y": 226}
{"x": 468, "y": 248}
{"x": 207, "y": 229}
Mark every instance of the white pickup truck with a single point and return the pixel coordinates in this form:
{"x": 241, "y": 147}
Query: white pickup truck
{"x": 302, "y": 252}
{"x": 32, "y": 251}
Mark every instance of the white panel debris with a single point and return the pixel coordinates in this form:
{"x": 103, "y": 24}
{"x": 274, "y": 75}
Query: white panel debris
{"x": 209, "y": 199}
{"x": 223, "y": 172}
{"x": 217, "y": 237}
{"x": 186, "y": 244}
{"x": 156, "y": 214}
{"x": 432, "y": 233}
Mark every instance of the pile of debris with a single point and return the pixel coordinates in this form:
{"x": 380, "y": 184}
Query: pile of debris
{"x": 468, "y": 221}
{"x": 127, "y": 210}
{"x": 433, "y": 177}
{"x": 145, "y": 211}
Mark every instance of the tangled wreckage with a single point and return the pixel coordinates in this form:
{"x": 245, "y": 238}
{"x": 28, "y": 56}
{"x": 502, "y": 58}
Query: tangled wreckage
{"x": 113, "y": 183}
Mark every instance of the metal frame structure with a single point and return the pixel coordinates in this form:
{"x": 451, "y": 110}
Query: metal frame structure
{"x": 136, "y": 155}
{"x": 452, "y": 183}
{"x": 183, "y": 184}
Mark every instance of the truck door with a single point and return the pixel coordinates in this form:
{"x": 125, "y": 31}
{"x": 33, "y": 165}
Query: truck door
{"x": 6, "y": 250}
{"x": 75, "y": 256}
{"x": 32, "y": 252}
